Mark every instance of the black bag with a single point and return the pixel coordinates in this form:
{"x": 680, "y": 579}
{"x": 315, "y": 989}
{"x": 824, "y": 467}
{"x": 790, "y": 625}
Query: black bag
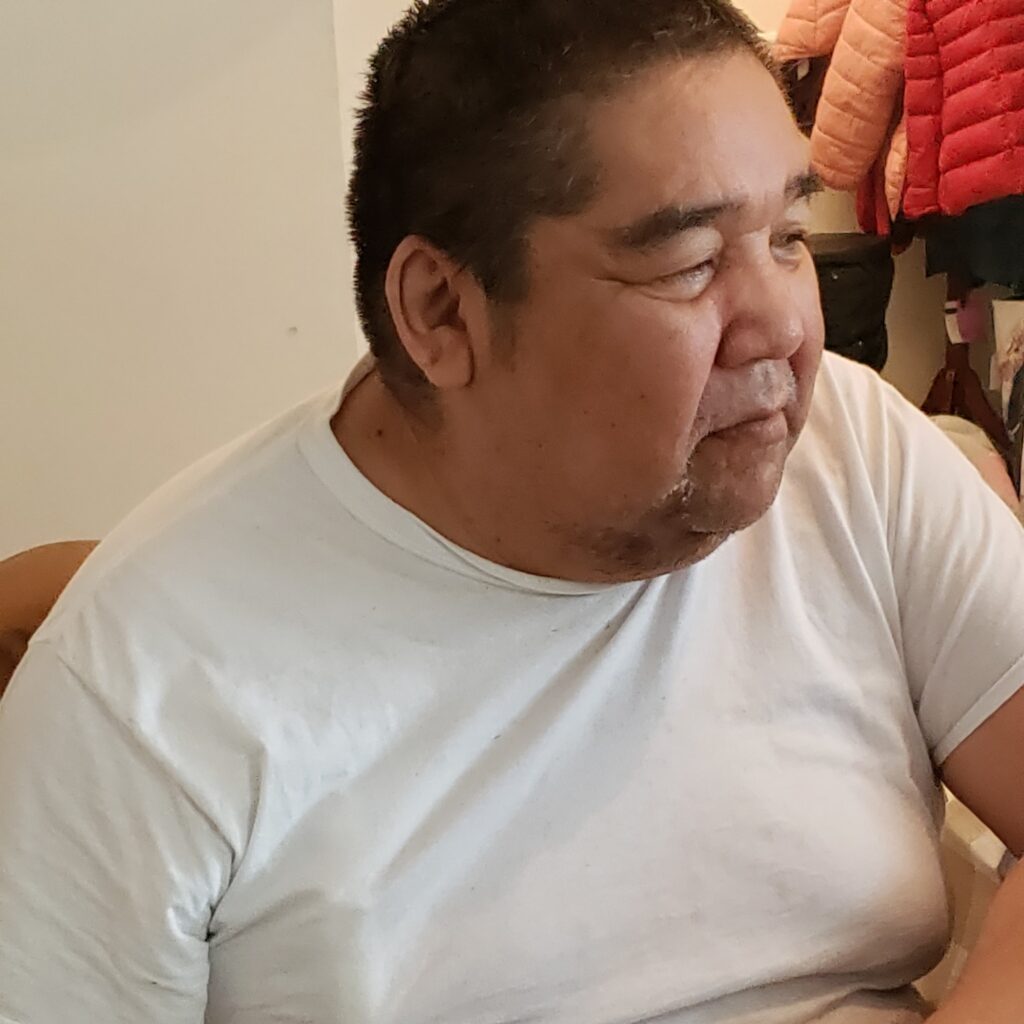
{"x": 856, "y": 274}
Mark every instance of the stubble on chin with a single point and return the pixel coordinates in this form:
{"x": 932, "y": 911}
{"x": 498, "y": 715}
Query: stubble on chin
{"x": 678, "y": 530}
{"x": 661, "y": 541}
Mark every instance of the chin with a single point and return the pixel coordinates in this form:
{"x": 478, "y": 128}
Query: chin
{"x": 698, "y": 515}
{"x": 725, "y": 511}
{"x": 745, "y": 512}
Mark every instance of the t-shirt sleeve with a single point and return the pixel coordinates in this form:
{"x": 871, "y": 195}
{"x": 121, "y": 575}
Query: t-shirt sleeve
{"x": 108, "y": 872}
{"x": 958, "y": 561}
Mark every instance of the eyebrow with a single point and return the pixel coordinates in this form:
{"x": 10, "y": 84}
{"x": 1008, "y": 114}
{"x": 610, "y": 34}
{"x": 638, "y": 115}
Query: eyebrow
{"x": 803, "y": 186}
{"x": 655, "y": 229}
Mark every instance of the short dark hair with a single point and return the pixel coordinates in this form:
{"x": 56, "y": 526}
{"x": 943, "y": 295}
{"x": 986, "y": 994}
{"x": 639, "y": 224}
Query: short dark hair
{"x": 472, "y": 125}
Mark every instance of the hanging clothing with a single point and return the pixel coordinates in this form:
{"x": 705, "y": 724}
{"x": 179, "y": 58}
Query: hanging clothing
{"x": 983, "y": 244}
{"x": 964, "y": 104}
{"x": 855, "y": 275}
{"x": 803, "y": 80}
{"x": 861, "y": 95}
{"x": 873, "y": 214}
{"x": 811, "y": 29}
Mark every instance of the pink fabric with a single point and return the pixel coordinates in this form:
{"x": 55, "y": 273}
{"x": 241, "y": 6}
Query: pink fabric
{"x": 896, "y": 169}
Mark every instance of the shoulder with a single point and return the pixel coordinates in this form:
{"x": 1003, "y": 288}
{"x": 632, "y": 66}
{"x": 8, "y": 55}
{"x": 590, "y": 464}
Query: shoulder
{"x": 189, "y": 595}
{"x": 848, "y": 430}
{"x": 867, "y": 443}
{"x": 849, "y": 391}
{"x": 867, "y": 455}
{"x": 863, "y": 421}
{"x": 187, "y": 531}
{"x": 171, "y": 617}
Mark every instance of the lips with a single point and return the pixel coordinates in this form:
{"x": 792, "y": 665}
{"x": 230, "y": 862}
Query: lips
{"x": 735, "y": 402}
{"x": 772, "y": 428}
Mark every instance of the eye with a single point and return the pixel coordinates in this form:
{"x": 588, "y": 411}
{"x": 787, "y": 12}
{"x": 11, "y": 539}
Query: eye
{"x": 791, "y": 244}
{"x": 691, "y": 281}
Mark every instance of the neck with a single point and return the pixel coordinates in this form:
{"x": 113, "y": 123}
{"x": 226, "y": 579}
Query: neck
{"x": 452, "y": 487}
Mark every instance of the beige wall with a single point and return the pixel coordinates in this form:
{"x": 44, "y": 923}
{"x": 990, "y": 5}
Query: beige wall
{"x": 172, "y": 249}
{"x": 917, "y": 335}
{"x": 361, "y": 24}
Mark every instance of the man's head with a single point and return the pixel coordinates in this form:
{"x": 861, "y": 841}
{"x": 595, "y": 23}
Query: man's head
{"x": 579, "y": 234}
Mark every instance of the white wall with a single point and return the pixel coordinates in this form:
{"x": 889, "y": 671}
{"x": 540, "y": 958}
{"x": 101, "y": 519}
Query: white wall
{"x": 173, "y": 266}
{"x": 361, "y": 25}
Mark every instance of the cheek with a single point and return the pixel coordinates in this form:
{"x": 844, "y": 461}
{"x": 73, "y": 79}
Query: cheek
{"x": 659, "y": 358}
{"x": 608, "y": 382}
{"x": 652, "y": 351}
{"x": 646, "y": 369}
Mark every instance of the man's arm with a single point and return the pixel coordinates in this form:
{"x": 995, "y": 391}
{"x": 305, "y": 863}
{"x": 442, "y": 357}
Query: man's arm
{"x": 109, "y": 870}
{"x": 957, "y": 555}
{"x": 987, "y": 773}
{"x": 29, "y": 585}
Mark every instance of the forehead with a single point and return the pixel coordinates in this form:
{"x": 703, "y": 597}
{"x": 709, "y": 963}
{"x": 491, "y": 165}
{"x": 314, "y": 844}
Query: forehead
{"x": 694, "y": 132}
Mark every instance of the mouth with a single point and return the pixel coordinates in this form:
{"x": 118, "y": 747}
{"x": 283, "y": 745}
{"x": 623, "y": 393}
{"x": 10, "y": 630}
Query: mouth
{"x": 769, "y": 429}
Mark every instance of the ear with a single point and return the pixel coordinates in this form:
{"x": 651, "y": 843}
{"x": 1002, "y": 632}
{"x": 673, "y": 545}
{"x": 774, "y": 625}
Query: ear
{"x": 435, "y": 306}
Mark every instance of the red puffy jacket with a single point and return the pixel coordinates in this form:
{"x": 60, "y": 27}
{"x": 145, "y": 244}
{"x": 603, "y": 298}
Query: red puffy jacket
{"x": 964, "y": 103}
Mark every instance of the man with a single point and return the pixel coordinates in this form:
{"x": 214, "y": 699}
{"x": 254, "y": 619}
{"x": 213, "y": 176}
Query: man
{"x": 517, "y": 682}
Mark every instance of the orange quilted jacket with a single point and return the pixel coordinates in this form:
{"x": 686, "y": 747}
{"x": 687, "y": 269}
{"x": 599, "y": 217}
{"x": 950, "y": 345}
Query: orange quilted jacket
{"x": 858, "y": 116}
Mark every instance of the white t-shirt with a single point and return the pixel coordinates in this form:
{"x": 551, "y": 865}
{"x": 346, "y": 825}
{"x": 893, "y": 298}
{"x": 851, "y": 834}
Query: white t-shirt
{"x": 283, "y": 753}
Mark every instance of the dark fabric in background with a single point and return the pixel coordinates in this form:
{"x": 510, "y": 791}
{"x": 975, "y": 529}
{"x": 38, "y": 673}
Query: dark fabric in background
{"x": 855, "y": 274}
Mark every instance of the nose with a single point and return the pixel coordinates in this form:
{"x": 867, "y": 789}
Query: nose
{"x": 765, "y": 316}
